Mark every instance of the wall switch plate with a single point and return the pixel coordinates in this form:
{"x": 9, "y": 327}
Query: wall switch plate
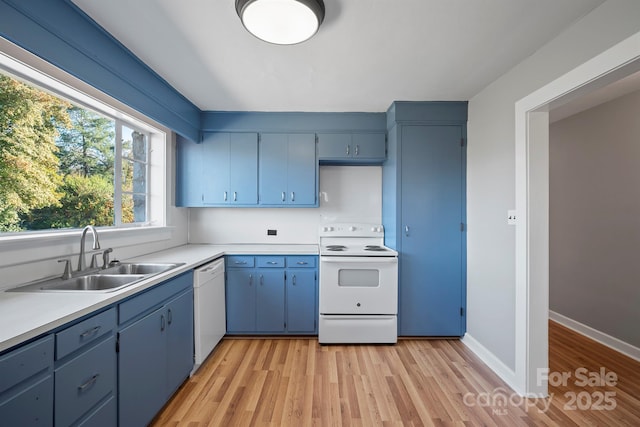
{"x": 511, "y": 217}
{"x": 272, "y": 232}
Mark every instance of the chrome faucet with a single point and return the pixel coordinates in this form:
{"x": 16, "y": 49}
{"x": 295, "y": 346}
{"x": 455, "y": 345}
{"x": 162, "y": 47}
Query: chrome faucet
{"x": 96, "y": 245}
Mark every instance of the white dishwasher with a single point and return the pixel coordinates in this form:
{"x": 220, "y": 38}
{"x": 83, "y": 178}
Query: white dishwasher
{"x": 209, "y": 309}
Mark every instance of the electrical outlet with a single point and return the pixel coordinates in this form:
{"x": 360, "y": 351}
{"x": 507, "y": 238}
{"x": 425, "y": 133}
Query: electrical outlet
{"x": 511, "y": 217}
{"x": 272, "y": 232}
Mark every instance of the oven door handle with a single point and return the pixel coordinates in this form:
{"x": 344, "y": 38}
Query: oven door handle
{"x": 350, "y": 260}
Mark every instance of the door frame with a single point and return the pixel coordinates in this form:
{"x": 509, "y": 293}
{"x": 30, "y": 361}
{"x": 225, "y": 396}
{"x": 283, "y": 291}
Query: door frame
{"x": 532, "y": 203}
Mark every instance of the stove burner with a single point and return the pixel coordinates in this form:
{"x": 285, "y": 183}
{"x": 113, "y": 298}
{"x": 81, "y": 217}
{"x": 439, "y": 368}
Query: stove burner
{"x": 374, "y": 248}
{"x": 336, "y": 248}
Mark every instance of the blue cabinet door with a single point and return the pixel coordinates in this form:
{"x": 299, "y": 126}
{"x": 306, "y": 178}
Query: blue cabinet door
{"x": 273, "y": 169}
{"x": 179, "y": 340}
{"x": 368, "y": 146}
{"x": 334, "y": 146}
{"x": 215, "y": 168}
{"x": 301, "y": 300}
{"x": 142, "y": 368}
{"x": 243, "y": 176}
{"x": 270, "y": 301}
{"x": 31, "y": 407}
{"x": 230, "y": 169}
{"x": 288, "y": 169}
{"x": 302, "y": 170}
{"x": 431, "y": 279}
{"x": 241, "y": 300}
{"x": 189, "y": 173}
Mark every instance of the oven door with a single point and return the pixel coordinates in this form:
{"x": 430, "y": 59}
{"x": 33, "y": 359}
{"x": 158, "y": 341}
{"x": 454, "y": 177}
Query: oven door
{"x": 358, "y": 285}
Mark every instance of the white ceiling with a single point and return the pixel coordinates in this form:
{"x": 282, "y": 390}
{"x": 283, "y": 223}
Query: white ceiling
{"x": 367, "y": 53}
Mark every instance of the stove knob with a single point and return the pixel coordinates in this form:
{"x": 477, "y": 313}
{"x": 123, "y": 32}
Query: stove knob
{"x": 352, "y": 228}
{"x": 327, "y": 229}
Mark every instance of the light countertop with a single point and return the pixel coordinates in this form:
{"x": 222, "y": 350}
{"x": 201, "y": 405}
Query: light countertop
{"x": 26, "y": 315}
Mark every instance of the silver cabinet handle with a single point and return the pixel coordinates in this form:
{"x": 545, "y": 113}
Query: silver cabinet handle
{"x": 293, "y": 196}
{"x": 169, "y": 317}
{"x": 235, "y": 196}
{"x": 250, "y": 279}
{"x": 283, "y": 196}
{"x": 240, "y": 262}
{"x": 91, "y": 381}
{"x": 91, "y": 331}
{"x": 261, "y": 280}
{"x": 356, "y": 151}
{"x": 348, "y": 150}
{"x": 293, "y": 281}
{"x": 302, "y": 263}
{"x": 406, "y": 230}
{"x": 225, "y": 196}
{"x": 272, "y": 262}
{"x": 162, "y": 323}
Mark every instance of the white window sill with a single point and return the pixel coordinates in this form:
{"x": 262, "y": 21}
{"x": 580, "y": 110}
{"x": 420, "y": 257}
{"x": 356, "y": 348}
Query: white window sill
{"x": 108, "y": 237}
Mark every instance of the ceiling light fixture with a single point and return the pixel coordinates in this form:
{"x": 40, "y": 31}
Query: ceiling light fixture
{"x": 281, "y": 21}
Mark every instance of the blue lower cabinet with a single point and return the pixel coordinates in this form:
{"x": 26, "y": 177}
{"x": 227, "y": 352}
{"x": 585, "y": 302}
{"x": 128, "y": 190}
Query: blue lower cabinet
{"x": 301, "y": 301}
{"x": 31, "y": 406}
{"x": 271, "y": 294}
{"x": 142, "y": 365}
{"x": 155, "y": 357}
{"x": 105, "y": 415}
{"x": 270, "y": 301}
{"x": 84, "y": 381}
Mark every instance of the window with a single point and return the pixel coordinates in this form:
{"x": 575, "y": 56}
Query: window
{"x": 67, "y": 160}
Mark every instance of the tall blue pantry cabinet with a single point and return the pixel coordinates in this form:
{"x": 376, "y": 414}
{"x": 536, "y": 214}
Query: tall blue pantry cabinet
{"x": 424, "y": 214}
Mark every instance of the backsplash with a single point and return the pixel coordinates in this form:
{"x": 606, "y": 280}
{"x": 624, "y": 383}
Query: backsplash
{"x": 346, "y": 193}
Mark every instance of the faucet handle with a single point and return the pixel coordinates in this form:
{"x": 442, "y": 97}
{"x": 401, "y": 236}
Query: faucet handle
{"x": 67, "y": 268}
{"x": 105, "y": 257}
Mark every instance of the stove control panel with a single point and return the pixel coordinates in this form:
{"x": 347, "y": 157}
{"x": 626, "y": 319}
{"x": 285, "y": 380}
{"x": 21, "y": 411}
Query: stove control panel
{"x": 351, "y": 230}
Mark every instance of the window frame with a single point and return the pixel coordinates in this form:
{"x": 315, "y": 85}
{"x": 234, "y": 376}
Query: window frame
{"x": 32, "y": 70}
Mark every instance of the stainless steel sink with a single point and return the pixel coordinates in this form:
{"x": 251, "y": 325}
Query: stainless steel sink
{"x": 108, "y": 280}
{"x": 89, "y": 282}
{"x": 140, "y": 268}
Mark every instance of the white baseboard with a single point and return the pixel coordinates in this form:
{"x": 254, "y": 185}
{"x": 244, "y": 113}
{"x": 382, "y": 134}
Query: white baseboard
{"x": 490, "y": 359}
{"x": 611, "y": 342}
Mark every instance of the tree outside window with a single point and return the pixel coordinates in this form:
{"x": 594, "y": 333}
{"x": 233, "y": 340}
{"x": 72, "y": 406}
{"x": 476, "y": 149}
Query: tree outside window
{"x": 60, "y": 163}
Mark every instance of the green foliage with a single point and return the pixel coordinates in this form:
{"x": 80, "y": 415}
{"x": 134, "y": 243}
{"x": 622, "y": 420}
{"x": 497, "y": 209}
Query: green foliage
{"x": 29, "y": 123}
{"x": 85, "y": 200}
{"x": 86, "y": 147}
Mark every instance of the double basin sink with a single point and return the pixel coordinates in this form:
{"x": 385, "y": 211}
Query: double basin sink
{"x": 110, "y": 279}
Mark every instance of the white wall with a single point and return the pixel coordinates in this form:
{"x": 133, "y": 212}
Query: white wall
{"x": 491, "y": 172}
{"x": 594, "y": 200}
{"x": 347, "y": 193}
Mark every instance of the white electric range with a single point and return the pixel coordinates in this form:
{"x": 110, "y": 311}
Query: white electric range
{"x": 358, "y": 285}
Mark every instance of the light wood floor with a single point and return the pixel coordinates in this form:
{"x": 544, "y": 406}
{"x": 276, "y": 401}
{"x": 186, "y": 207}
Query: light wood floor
{"x": 297, "y": 382}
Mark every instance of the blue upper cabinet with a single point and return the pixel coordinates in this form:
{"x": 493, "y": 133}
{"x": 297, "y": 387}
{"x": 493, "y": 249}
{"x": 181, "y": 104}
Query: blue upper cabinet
{"x": 288, "y": 170}
{"x": 230, "y": 169}
{"x": 189, "y": 173}
{"x": 351, "y": 148}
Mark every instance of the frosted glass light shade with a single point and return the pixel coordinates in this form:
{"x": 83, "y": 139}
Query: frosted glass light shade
{"x": 281, "y": 21}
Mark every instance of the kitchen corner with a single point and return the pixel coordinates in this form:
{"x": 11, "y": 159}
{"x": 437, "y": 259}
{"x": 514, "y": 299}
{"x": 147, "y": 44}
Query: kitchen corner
{"x": 27, "y": 315}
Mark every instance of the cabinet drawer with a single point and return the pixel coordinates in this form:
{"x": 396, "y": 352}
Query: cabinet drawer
{"x": 238, "y": 261}
{"x": 84, "y": 381}
{"x": 84, "y": 332}
{"x": 31, "y": 407}
{"x": 25, "y": 362}
{"x": 106, "y": 415}
{"x": 301, "y": 261}
{"x": 146, "y": 301}
{"x": 270, "y": 261}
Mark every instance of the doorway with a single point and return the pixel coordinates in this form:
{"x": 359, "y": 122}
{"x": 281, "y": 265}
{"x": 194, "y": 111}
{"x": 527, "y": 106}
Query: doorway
{"x": 532, "y": 202}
